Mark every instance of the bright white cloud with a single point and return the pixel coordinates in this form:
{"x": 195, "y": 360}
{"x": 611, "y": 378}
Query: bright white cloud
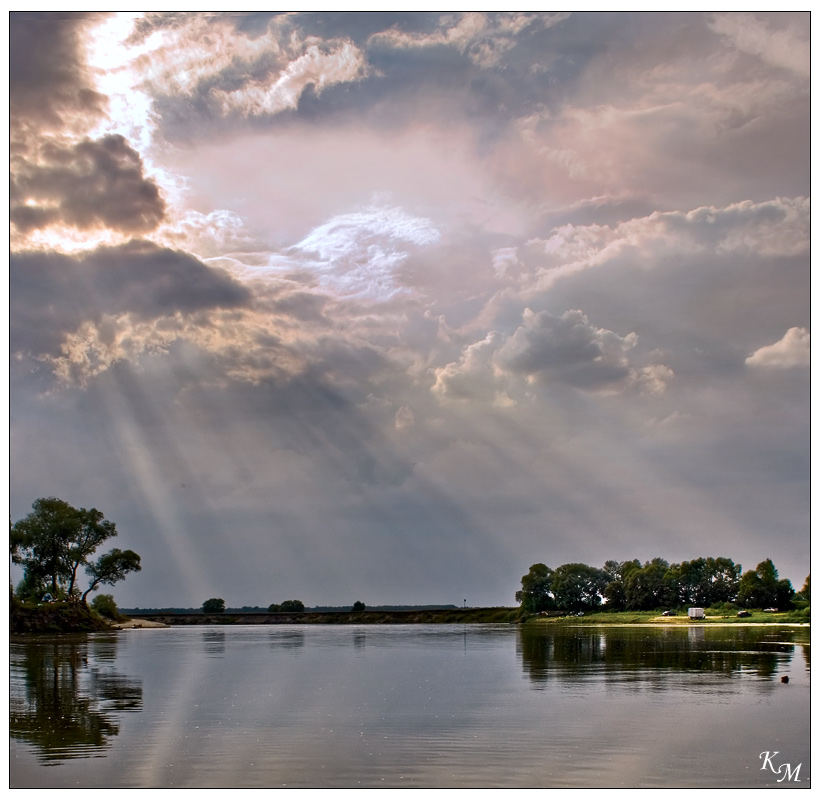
{"x": 359, "y": 254}
{"x": 176, "y": 60}
{"x": 793, "y": 350}
{"x": 283, "y": 89}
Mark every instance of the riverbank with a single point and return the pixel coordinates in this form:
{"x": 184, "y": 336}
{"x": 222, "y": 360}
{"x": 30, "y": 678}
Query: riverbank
{"x": 414, "y": 617}
{"x": 791, "y": 618}
{"x": 76, "y": 618}
{"x": 54, "y": 618}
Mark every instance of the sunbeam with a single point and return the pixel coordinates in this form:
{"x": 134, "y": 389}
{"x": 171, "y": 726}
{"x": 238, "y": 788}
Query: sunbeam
{"x": 395, "y": 305}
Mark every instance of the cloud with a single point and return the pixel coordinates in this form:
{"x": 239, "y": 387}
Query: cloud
{"x": 52, "y": 90}
{"x": 216, "y": 233}
{"x": 87, "y": 185}
{"x": 207, "y": 58}
{"x": 545, "y": 350}
{"x": 405, "y": 418}
{"x": 787, "y": 48}
{"x": 360, "y": 254}
{"x": 482, "y": 37}
{"x": 282, "y": 90}
{"x": 769, "y": 229}
{"x": 473, "y": 377}
{"x": 685, "y": 118}
{"x": 793, "y": 350}
{"x": 567, "y": 349}
{"x": 53, "y": 295}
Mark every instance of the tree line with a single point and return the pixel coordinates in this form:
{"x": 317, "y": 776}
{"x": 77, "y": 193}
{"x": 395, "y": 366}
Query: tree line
{"x": 216, "y": 605}
{"x": 633, "y": 586}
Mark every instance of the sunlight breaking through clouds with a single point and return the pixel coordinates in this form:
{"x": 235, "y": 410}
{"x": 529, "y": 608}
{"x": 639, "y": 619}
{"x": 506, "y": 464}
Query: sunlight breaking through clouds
{"x": 394, "y": 305}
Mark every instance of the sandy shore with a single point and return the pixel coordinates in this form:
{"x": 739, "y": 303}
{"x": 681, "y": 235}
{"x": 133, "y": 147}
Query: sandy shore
{"x": 139, "y": 623}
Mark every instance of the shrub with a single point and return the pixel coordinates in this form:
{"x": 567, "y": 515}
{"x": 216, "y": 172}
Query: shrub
{"x": 105, "y": 606}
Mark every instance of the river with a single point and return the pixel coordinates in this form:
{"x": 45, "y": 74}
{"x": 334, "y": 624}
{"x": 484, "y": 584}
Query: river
{"x": 413, "y": 706}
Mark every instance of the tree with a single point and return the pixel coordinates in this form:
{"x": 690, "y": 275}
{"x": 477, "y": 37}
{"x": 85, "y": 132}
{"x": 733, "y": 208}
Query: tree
{"x": 617, "y": 573}
{"x": 578, "y": 586}
{"x": 536, "y": 589}
{"x": 703, "y": 581}
{"x": 359, "y": 606}
{"x": 111, "y": 568}
{"x": 93, "y": 529}
{"x": 806, "y": 590}
{"x": 273, "y": 608}
{"x": 646, "y": 588}
{"x": 216, "y": 605}
{"x": 615, "y": 595}
{"x": 292, "y": 605}
{"x": 56, "y": 540}
{"x": 40, "y": 543}
{"x": 761, "y": 587}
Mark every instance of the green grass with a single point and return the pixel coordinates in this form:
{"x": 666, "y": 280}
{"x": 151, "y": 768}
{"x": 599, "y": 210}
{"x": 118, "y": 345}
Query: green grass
{"x": 713, "y": 616}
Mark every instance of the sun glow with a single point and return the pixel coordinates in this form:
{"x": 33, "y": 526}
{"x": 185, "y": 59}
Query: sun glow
{"x": 117, "y": 62}
{"x": 111, "y": 58}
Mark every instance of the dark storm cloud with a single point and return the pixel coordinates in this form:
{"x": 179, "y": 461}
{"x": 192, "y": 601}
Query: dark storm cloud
{"x": 51, "y": 294}
{"x": 44, "y": 90}
{"x": 91, "y": 184}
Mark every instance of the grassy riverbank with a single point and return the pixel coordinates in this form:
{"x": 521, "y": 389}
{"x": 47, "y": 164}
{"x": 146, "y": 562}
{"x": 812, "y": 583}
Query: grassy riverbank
{"x": 74, "y": 617}
{"x": 54, "y": 618}
{"x": 713, "y": 616}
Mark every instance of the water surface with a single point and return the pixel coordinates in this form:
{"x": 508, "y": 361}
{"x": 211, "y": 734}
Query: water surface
{"x": 412, "y": 706}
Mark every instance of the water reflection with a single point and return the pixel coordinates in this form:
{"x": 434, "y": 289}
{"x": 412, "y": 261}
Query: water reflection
{"x": 214, "y": 642}
{"x": 287, "y": 640}
{"x": 64, "y": 697}
{"x": 576, "y": 654}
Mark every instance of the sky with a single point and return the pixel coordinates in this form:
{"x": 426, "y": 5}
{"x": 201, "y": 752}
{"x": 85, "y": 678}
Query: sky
{"x": 390, "y": 306}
